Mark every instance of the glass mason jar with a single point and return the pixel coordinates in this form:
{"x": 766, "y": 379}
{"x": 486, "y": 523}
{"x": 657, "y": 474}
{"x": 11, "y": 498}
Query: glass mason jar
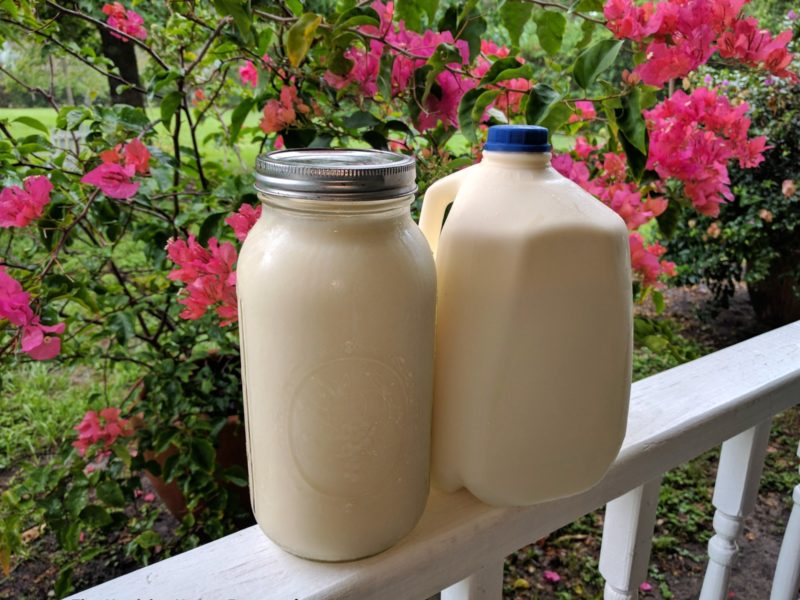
{"x": 337, "y": 289}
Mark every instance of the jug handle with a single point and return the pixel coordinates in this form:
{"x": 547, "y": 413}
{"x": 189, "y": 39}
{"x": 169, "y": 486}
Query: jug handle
{"x": 437, "y": 198}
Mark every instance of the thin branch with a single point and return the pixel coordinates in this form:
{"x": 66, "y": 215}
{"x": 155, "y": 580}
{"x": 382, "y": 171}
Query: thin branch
{"x": 272, "y": 17}
{"x": 31, "y": 88}
{"x": 4, "y": 263}
{"x": 197, "y": 159}
{"x": 131, "y": 301}
{"x": 213, "y": 97}
{"x": 119, "y": 32}
{"x": 546, "y": 4}
{"x": 74, "y": 54}
{"x": 207, "y": 45}
{"x": 7, "y": 133}
{"x": 70, "y": 227}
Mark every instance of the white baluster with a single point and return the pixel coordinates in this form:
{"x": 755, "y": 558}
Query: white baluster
{"x": 484, "y": 584}
{"x": 627, "y": 540}
{"x": 738, "y": 477}
{"x": 786, "y": 582}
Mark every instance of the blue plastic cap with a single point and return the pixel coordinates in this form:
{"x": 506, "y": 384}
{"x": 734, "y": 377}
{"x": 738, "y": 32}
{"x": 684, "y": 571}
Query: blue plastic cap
{"x": 517, "y": 138}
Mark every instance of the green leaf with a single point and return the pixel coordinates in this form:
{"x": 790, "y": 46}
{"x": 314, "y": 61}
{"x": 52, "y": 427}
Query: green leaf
{"x": 409, "y": 12}
{"x": 637, "y": 160}
{"x": 504, "y": 69}
{"x": 121, "y": 325}
{"x": 631, "y": 121}
{"x": 358, "y": 16}
{"x": 470, "y": 29}
{"x": 236, "y": 474}
{"x": 95, "y": 516}
{"x": 375, "y": 139}
{"x": 441, "y": 57}
{"x": 210, "y": 227}
{"x": 170, "y": 466}
{"x": 429, "y": 7}
{"x": 669, "y": 219}
{"x": 33, "y": 123}
{"x": 148, "y": 539}
{"x": 594, "y": 60}
{"x": 63, "y": 584}
{"x": 110, "y": 493}
{"x": 239, "y": 115}
{"x": 658, "y": 301}
{"x": 514, "y": 15}
{"x": 556, "y": 117}
{"x": 203, "y": 454}
{"x": 466, "y": 24}
{"x": 550, "y": 26}
{"x": 470, "y": 111}
{"x": 540, "y": 101}
{"x": 169, "y": 106}
{"x": 360, "y": 120}
{"x": 656, "y": 343}
{"x": 587, "y": 27}
{"x": 590, "y": 6}
{"x": 299, "y": 138}
{"x": 300, "y": 36}
{"x": 240, "y": 11}
{"x": 76, "y": 499}
{"x": 385, "y": 75}
{"x": 296, "y": 6}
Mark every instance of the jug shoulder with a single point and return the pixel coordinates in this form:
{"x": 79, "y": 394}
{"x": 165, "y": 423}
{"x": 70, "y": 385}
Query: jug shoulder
{"x": 499, "y": 197}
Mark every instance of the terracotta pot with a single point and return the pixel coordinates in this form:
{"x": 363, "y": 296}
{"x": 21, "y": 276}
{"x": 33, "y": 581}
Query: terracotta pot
{"x": 231, "y": 451}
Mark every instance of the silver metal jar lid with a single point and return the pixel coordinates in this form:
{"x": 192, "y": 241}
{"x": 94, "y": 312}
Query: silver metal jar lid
{"x": 329, "y": 174}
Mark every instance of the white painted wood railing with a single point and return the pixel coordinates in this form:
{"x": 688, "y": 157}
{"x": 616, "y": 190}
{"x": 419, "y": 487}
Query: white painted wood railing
{"x": 459, "y": 545}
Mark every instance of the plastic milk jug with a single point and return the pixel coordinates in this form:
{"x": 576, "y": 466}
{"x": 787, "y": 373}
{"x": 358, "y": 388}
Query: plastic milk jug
{"x": 533, "y": 330}
{"x": 337, "y": 293}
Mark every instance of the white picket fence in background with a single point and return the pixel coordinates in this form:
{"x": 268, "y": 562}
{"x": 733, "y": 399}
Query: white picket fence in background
{"x": 458, "y": 547}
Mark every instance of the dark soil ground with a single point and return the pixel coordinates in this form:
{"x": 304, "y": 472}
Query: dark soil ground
{"x": 682, "y": 529}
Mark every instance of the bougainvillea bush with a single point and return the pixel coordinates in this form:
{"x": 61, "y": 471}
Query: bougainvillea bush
{"x": 120, "y": 227}
{"x": 755, "y": 238}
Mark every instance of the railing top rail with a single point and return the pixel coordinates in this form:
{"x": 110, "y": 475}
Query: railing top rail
{"x": 674, "y": 416}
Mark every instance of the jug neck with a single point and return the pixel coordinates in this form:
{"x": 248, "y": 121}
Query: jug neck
{"x": 517, "y": 160}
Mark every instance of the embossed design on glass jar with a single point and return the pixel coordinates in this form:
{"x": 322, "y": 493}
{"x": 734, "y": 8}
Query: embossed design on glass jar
{"x": 346, "y": 426}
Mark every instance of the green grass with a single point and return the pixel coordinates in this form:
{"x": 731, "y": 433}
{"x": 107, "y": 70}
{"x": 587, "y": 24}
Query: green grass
{"x": 210, "y": 150}
{"x": 40, "y": 404}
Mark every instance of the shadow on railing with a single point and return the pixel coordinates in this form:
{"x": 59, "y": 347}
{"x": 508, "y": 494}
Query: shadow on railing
{"x": 459, "y": 545}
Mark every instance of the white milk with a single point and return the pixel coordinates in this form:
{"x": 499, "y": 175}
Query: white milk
{"x": 336, "y": 305}
{"x": 534, "y": 331}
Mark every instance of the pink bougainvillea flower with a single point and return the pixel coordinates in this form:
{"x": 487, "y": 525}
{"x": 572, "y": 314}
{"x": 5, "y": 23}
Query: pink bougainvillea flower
{"x": 243, "y": 220}
{"x": 692, "y": 138}
{"x": 91, "y": 430}
{"x": 15, "y": 308}
{"x": 584, "y": 111}
{"x": 788, "y": 188}
{"x": 137, "y": 154}
{"x": 14, "y": 301}
{"x": 127, "y": 21}
{"x": 280, "y": 114}
{"x": 113, "y": 180}
{"x": 112, "y": 155}
{"x": 37, "y": 344}
{"x": 683, "y": 34}
{"x": 18, "y": 206}
{"x": 249, "y": 74}
{"x": 646, "y": 263}
{"x": 209, "y": 277}
{"x": 645, "y": 587}
{"x": 551, "y": 576}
